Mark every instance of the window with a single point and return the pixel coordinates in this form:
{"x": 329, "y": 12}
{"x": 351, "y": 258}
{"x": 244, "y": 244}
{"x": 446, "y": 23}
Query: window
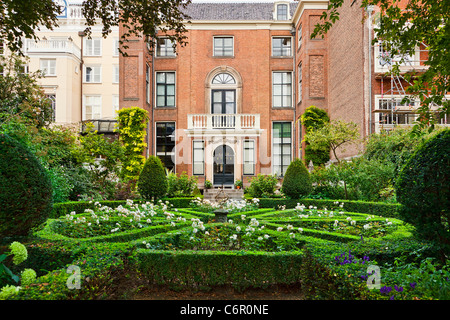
{"x": 93, "y": 47}
{"x": 282, "y": 89}
{"x": 165, "y": 89}
{"x": 2, "y": 47}
{"x": 165, "y": 48}
{"x": 147, "y": 83}
{"x": 249, "y": 157}
{"x": 198, "y": 157}
{"x": 116, "y": 73}
{"x": 52, "y": 98}
{"x": 92, "y": 107}
{"x": 393, "y": 117}
{"x": 300, "y": 38}
{"x": 281, "y": 47}
{"x": 116, "y": 47}
{"x": 281, "y": 147}
{"x": 223, "y": 46}
{"x": 165, "y": 143}
{"x": 223, "y": 78}
{"x": 48, "y": 67}
{"x": 282, "y": 12}
{"x": 93, "y": 74}
{"x": 115, "y": 102}
{"x": 300, "y": 80}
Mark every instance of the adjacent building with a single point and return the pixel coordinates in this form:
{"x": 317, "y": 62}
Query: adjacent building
{"x": 81, "y": 74}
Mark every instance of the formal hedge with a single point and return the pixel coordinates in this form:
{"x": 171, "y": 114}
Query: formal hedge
{"x": 296, "y": 181}
{"x": 376, "y": 208}
{"x": 26, "y": 194}
{"x": 423, "y": 188}
{"x": 152, "y": 183}
{"x": 63, "y": 208}
{"x": 190, "y": 269}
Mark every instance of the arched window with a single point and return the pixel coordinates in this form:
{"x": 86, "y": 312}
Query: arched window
{"x": 223, "y": 78}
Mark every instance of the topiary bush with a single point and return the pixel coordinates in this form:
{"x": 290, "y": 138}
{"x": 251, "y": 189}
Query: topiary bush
{"x": 296, "y": 182}
{"x": 152, "y": 183}
{"x": 25, "y": 189}
{"x": 423, "y": 189}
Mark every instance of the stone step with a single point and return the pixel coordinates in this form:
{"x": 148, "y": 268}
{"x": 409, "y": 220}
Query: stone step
{"x": 218, "y": 194}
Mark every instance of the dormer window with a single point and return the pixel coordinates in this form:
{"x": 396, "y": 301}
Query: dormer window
{"x": 282, "y": 11}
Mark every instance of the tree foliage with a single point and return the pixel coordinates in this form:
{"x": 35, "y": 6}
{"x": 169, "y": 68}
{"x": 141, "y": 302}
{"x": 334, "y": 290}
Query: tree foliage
{"x": 334, "y": 134}
{"x": 405, "y": 25}
{"x": 314, "y": 118}
{"x": 140, "y": 18}
{"x": 20, "y": 94}
{"x": 152, "y": 183}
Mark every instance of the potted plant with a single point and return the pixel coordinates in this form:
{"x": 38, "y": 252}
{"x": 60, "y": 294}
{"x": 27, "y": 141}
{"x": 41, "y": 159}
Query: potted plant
{"x": 238, "y": 184}
{"x": 208, "y": 184}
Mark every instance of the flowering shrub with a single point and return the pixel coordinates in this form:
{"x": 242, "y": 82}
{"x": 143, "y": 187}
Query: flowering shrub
{"x": 232, "y": 206}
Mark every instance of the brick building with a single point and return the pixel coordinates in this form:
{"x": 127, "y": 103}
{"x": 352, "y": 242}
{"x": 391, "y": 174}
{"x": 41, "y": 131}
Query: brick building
{"x": 226, "y": 106}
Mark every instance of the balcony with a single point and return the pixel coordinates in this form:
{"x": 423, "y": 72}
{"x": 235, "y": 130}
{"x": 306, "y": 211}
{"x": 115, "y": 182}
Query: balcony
{"x": 225, "y": 124}
{"x": 52, "y": 46}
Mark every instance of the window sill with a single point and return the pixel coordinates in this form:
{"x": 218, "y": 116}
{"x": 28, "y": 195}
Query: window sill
{"x": 281, "y": 57}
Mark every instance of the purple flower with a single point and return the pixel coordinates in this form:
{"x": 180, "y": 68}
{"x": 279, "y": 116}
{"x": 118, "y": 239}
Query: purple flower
{"x": 398, "y": 289}
{"x": 385, "y": 290}
{"x": 391, "y": 298}
{"x": 413, "y": 285}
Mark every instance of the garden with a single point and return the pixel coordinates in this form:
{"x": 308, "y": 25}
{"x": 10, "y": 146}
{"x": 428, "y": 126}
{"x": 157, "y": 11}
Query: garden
{"x": 88, "y": 217}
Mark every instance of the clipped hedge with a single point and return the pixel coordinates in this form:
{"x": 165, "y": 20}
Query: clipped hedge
{"x": 375, "y": 208}
{"x": 63, "y": 208}
{"x": 241, "y": 269}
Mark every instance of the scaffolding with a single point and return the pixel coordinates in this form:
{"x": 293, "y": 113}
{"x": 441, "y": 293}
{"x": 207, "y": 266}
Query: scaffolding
{"x": 391, "y": 109}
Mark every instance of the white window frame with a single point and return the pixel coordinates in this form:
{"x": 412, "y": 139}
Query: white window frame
{"x": 167, "y": 53}
{"x": 116, "y": 74}
{"x": 147, "y": 83}
{"x": 275, "y": 13}
{"x": 214, "y": 46}
{"x": 290, "y": 46}
{"x": 273, "y": 149}
{"x": 116, "y": 45}
{"x": 175, "y": 88}
{"x": 247, "y": 161}
{"x": 197, "y": 161}
{"x": 115, "y": 103}
{"x": 291, "y": 90}
{"x": 300, "y": 82}
{"x": 95, "y": 73}
{"x": 89, "y": 49}
{"x": 300, "y": 37}
{"x": 85, "y": 105}
{"x": 43, "y": 67}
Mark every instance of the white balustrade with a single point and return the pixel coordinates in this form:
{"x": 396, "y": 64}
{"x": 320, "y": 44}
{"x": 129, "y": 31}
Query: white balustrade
{"x": 223, "y": 121}
{"x": 52, "y": 46}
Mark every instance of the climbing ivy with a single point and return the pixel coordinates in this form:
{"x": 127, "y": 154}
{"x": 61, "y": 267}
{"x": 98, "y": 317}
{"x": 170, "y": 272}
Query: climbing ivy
{"x": 132, "y": 125}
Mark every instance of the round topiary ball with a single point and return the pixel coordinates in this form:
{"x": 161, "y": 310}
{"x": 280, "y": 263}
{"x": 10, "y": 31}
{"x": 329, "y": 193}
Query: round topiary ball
{"x": 296, "y": 181}
{"x": 423, "y": 189}
{"x": 25, "y": 189}
{"x": 152, "y": 183}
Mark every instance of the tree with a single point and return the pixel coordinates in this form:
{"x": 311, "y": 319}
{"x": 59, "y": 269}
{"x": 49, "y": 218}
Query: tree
{"x": 152, "y": 183}
{"x": 296, "y": 181}
{"x": 335, "y": 134}
{"x": 314, "y": 118}
{"x": 403, "y": 25}
{"x": 21, "y": 98}
{"x": 140, "y": 18}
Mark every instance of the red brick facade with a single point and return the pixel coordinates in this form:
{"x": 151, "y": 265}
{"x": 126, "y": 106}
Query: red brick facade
{"x": 266, "y": 90}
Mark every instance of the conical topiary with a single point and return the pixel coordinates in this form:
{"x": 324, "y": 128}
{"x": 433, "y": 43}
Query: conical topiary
{"x": 296, "y": 181}
{"x": 152, "y": 183}
{"x": 26, "y": 195}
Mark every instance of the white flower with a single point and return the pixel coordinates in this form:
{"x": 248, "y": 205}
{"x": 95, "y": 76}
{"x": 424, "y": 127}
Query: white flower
{"x": 195, "y": 230}
{"x": 238, "y": 228}
{"x": 243, "y": 216}
{"x": 279, "y": 228}
{"x": 367, "y": 226}
{"x": 336, "y": 223}
{"x": 289, "y": 227}
{"x": 266, "y": 236}
{"x": 230, "y": 221}
{"x": 260, "y": 238}
{"x": 300, "y": 230}
{"x": 353, "y": 222}
{"x": 291, "y": 235}
{"x": 233, "y": 237}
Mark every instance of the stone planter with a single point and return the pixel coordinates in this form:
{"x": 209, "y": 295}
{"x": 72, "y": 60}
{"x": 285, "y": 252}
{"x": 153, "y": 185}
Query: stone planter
{"x": 220, "y": 215}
